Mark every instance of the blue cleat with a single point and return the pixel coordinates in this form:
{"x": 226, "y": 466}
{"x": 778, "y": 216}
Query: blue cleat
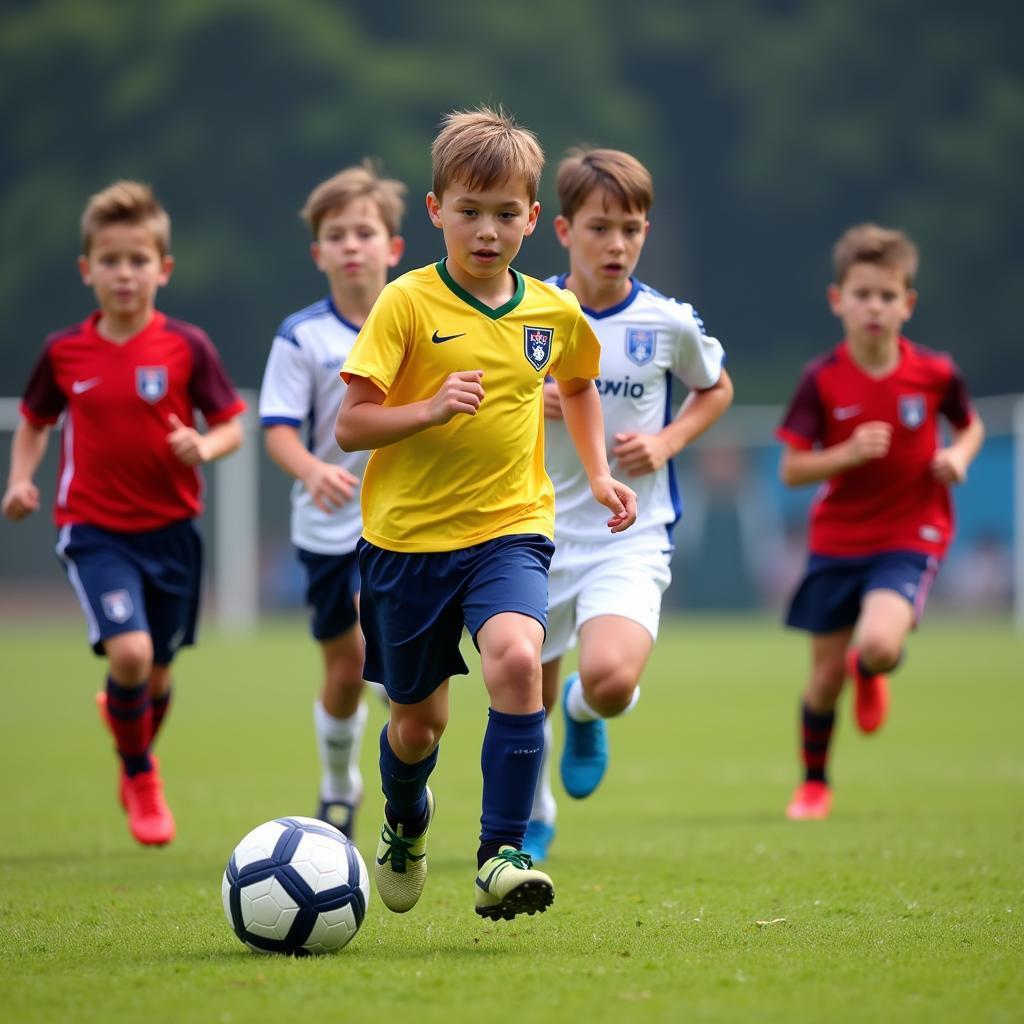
{"x": 585, "y": 755}
{"x": 538, "y": 838}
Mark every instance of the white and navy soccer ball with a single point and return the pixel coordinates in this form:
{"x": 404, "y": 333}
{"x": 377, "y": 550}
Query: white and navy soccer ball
{"x": 297, "y": 886}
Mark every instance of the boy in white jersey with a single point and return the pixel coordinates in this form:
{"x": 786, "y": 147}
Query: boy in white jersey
{"x": 354, "y": 217}
{"x": 446, "y": 384}
{"x": 607, "y": 592}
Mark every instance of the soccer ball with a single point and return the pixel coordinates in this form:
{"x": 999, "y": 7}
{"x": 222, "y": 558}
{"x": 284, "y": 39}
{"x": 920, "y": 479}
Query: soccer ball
{"x": 295, "y": 885}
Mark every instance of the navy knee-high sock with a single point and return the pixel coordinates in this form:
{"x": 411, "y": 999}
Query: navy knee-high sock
{"x": 816, "y": 734}
{"x": 405, "y": 787}
{"x": 130, "y": 717}
{"x": 510, "y": 760}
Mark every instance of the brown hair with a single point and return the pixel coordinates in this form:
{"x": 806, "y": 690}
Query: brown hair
{"x": 484, "y": 148}
{"x": 126, "y": 202}
{"x": 618, "y": 174}
{"x": 869, "y": 243}
{"x": 360, "y": 182}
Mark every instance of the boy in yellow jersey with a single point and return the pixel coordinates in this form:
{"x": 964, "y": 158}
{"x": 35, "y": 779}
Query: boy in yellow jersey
{"x": 445, "y": 384}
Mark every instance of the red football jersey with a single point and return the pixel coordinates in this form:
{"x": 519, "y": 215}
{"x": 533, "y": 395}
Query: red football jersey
{"x": 888, "y": 504}
{"x": 117, "y": 470}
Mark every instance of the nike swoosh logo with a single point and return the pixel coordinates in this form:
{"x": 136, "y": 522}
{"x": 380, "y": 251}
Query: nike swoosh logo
{"x": 79, "y": 386}
{"x": 845, "y": 412}
{"x": 438, "y": 338}
{"x": 486, "y": 883}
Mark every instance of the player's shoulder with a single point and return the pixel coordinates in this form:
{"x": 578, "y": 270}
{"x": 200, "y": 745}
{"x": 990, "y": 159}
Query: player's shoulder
{"x": 675, "y": 312}
{"x": 551, "y": 293}
{"x": 191, "y": 333}
{"x": 292, "y": 326}
{"x": 827, "y": 360}
{"x": 72, "y": 332}
{"x": 931, "y": 358}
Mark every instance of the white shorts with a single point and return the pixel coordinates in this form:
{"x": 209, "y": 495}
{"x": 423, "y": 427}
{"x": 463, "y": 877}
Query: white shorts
{"x": 586, "y": 580}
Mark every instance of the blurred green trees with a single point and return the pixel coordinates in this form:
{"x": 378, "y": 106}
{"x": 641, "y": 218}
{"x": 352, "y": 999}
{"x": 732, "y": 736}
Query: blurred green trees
{"x": 769, "y": 126}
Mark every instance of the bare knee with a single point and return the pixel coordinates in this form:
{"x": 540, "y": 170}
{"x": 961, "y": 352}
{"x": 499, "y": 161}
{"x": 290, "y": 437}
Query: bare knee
{"x": 416, "y": 736}
{"x": 610, "y": 692}
{"x": 880, "y": 653}
{"x": 130, "y": 656}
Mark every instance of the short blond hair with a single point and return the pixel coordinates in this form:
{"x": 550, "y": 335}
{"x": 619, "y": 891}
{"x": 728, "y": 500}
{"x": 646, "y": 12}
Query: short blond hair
{"x": 869, "y": 243}
{"x": 612, "y": 171}
{"x": 360, "y": 182}
{"x": 126, "y": 202}
{"x": 484, "y": 148}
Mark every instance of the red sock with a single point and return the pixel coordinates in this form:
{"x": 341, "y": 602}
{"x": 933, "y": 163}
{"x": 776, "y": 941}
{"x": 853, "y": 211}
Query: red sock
{"x": 131, "y": 720}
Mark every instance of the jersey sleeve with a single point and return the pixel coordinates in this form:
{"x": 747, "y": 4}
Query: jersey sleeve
{"x": 697, "y": 358}
{"x": 286, "y": 395}
{"x": 581, "y": 356}
{"x": 956, "y": 403}
{"x": 43, "y": 401}
{"x": 381, "y": 345}
{"x": 210, "y": 389}
{"x": 802, "y": 425}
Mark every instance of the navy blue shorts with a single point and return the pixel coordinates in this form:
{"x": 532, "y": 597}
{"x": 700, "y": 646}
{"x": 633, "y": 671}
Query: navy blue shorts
{"x": 414, "y": 606}
{"x": 332, "y": 582}
{"x": 830, "y": 594}
{"x": 136, "y": 581}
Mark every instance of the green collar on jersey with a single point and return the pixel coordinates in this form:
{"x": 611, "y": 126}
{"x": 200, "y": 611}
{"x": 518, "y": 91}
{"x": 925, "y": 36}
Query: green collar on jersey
{"x": 472, "y": 300}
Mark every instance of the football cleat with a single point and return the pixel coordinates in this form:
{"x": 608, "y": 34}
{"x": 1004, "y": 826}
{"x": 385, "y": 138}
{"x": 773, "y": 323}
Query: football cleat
{"x": 811, "y": 802}
{"x": 339, "y": 813}
{"x": 585, "y": 755}
{"x": 400, "y": 867}
{"x": 538, "y": 838}
{"x": 149, "y": 817}
{"x": 507, "y": 884}
{"x": 871, "y": 695}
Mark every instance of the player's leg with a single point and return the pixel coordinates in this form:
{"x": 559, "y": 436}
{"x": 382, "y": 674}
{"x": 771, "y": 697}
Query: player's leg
{"x": 826, "y": 604}
{"x": 540, "y": 829}
{"x": 505, "y": 608}
{"x": 896, "y": 590}
{"x": 339, "y": 716}
{"x": 161, "y": 690}
{"x": 412, "y": 624}
{"x": 618, "y": 609}
{"x": 613, "y": 653}
{"x": 813, "y": 797}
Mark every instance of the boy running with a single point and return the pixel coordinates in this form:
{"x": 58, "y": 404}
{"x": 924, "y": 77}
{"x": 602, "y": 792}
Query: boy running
{"x": 864, "y": 424}
{"x": 446, "y": 385}
{"x": 354, "y": 217}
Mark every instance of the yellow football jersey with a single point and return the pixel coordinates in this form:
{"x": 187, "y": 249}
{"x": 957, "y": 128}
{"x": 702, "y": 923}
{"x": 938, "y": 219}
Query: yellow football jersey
{"x": 476, "y": 477}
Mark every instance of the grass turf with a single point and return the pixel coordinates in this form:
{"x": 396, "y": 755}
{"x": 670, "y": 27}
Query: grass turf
{"x": 681, "y": 891}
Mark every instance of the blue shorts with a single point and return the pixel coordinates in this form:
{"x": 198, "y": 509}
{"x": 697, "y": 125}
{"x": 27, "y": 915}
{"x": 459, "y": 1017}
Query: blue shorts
{"x": 830, "y": 594}
{"x": 136, "y": 581}
{"x": 414, "y": 606}
{"x": 332, "y": 582}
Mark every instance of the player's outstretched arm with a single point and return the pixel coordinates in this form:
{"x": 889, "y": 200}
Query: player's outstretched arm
{"x": 193, "y": 448}
{"x": 21, "y": 498}
{"x": 949, "y": 465}
{"x": 581, "y": 408}
{"x": 639, "y": 454}
{"x": 364, "y": 422}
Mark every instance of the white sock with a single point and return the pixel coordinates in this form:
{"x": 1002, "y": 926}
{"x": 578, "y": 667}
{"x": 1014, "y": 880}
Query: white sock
{"x": 338, "y": 741}
{"x": 576, "y": 704}
{"x": 580, "y": 711}
{"x": 544, "y": 799}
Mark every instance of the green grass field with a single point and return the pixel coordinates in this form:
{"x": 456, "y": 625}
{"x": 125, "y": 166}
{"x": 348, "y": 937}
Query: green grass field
{"x": 682, "y": 892}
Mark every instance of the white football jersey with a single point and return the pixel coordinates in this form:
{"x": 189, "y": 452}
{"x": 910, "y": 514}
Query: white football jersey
{"x": 646, "y": 340}
{"x": 302, "y": 386}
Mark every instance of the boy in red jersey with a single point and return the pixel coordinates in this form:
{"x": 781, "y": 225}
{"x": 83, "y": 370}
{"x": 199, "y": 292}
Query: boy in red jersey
{"x": 127, "y": 381}
{"x": 864, "y": 423}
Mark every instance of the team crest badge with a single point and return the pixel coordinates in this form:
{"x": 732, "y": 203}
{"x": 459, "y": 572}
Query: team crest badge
{"x": 640, "y": 345}
{"x": 537, "y": 342}
{"x": 151, "y": 383}
{"x": 911, "y": 410}
{"x": 117, "y": 605}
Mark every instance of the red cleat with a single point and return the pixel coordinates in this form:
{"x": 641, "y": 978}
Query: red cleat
{"x": 149, "y": 817}
{"x": 101, "y": 705}
{"x": 871, "y": 700}
{"x": 811, "y": 802}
